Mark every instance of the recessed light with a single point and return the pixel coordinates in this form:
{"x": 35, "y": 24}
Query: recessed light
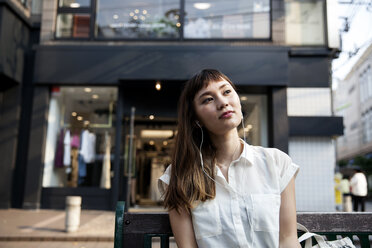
{"x": 74, "y": 5}
{"x": 151, "y": 117}
{"x": 74, "y": 114}
{"x": 79, "y": 118}
{"x": 158, "y": 85}
{"x": 202, "y": 6}
{"x": 151, "y": 142}
{"x": 88, "y": 90}
{"x": 95, "y": 96}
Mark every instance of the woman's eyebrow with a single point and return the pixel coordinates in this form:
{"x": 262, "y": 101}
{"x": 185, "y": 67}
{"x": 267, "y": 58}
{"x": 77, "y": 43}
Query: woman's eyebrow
{"x": 208, "y": 92}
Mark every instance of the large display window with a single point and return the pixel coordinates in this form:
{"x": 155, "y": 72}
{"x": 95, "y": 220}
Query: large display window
{"x": 164, "y": 19}
{"x": 80, "y": 137}
{"x": 227, "y": 19}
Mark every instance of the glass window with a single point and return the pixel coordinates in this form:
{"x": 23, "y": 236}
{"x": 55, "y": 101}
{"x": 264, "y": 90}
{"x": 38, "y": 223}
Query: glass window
{"x": 137, "y": 19}
{"x": 227, "y": 19}
{"x": 73, "y": 25}
{"x": 80, "y": 137}
{"x": 74, "y": 3}
{"x": 304, "y": 22}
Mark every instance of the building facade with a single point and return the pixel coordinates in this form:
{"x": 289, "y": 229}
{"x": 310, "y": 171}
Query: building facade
{"x": 107, "y": 76}
{"x": 353, "y": 101}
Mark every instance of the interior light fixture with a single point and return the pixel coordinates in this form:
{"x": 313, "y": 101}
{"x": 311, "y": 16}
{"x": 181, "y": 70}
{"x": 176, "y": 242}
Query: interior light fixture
{"x": 151, "y": 142}
{"x": 86, "y": 122}
{"x": 136, "y": 11}
{"x": 135, "y": 17}
{"x": 243, "y": 98}
{"x": 131, "y": 14}
{"x": 115, "y": 17}
{"x": 88, "y": 90}
{"x": 151, "y": 117}
{"x": 144, "y": 12}
{"x": 156, "y": 134}
{"x": 158, "y": 85}
{"x": 74, "y": 114}
{"x": 165, "y": 143}
{"x": 79, "y": 118}
{"x": 202, "y": 6}
{"x": 74, "y": 5}
{"x": 95, "y": 96}
{"x": 178, "y": 24}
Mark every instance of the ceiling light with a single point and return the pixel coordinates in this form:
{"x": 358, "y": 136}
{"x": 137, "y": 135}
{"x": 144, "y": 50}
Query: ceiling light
{"x": 79, "y": 118}
{"x": 74, "y": 114}
{"x": 202, "y": 6}
{"x": 86, "y": 122}
{"x": 165, "y": 143}
{"x": 131, "y": 14}
{"x": 152, "y": 134}
{"x": 178, "y": 24}
{"x": 115, "y": 17}
{"x": 74, "y": 5}
{"x": 87, "y": 89}
{"x": 151, "y": 142}
{"x": 151, "y": 117}
{"x": 95, "y": 96}
{"x": 135, "y": 17}
{"x": 243, "y": 98}
{"x": 136, "y": 11}
{"x": 158, "y": 85}
{"x": 144, "y": 12}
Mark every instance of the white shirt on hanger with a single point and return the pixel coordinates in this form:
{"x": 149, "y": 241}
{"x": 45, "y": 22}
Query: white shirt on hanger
{"x": 67, "y": 149}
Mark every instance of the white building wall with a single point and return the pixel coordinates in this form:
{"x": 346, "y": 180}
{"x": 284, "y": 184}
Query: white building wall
{"x": 314, "y": 182}
{"x": 309, "y": 101}
{"x": 315, "y": 155}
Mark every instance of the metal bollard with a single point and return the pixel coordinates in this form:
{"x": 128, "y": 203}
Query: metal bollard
{"x": 73, "y": 209}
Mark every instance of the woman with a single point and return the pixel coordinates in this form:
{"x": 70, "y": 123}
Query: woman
{"x": 220, "y": 191}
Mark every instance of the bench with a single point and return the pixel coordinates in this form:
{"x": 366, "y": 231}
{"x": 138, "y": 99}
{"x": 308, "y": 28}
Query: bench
{"x": 138, "y": 229}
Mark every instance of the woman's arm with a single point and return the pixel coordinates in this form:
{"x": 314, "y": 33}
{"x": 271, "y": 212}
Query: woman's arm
{"x": 183, "y": 231}
{"x": 288, "y": 218}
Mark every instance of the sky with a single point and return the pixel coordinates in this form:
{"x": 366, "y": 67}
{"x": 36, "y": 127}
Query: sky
{"x": 358, "y": 36}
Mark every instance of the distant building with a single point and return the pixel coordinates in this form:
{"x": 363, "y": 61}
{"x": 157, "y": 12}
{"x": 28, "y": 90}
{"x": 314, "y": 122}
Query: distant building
{"x": 68, "y": 66}
{"x": 353, "y": 101}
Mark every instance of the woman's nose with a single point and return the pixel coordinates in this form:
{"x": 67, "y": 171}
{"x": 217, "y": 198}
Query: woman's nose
{"x": 222, "y": 103}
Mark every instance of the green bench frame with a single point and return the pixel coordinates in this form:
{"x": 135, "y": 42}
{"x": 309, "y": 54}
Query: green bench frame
{"x": 138, "y": 229}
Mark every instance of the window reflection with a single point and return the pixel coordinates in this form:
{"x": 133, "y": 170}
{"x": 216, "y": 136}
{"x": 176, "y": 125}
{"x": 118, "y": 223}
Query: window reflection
{"x": 73, "y": 25}
{"x": 140, "y": 19}
{"x": 227, "y": 19}
{"x": 74, "y": 3}
{"x": 304, "y": 22}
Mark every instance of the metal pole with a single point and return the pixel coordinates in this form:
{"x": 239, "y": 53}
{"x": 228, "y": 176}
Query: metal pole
{"x": 130, "y": 157}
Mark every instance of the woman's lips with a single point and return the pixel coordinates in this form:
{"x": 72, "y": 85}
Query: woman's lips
{"x": 226, "y": 114}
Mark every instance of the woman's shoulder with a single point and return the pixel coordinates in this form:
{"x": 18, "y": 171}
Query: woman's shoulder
{"x": 273, "y": 153}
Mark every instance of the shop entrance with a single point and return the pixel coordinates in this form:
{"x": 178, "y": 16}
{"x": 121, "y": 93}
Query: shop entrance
{"x": 154, "y": 128}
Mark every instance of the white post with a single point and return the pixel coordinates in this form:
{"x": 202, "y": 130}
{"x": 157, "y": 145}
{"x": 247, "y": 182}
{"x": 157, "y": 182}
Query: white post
{"x": 73, "y": 209}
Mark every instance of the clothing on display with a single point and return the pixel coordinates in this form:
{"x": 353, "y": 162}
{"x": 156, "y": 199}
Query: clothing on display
{"x": 67, "y": 149}
{"x": 157, "y": 169}
{"x": 58, "y": 160}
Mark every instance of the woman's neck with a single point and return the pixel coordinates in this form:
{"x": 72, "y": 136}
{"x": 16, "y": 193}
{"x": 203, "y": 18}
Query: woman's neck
{"x": 228, "y": 147}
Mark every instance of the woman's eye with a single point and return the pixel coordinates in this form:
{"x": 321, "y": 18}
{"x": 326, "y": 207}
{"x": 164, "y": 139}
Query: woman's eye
{"x": 207, "y": 100}
{"x": 227, "y": 91}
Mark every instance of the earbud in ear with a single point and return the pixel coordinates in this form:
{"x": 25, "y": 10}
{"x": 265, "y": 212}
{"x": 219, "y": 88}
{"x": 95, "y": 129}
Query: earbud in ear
{"x": 197, "y": 123}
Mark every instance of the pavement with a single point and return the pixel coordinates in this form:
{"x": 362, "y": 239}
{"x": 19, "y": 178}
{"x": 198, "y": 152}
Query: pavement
{"x": 43, "y": 228}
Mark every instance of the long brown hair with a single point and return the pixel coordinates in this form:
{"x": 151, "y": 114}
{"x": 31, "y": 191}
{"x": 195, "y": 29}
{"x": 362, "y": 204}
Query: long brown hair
{"x": 188, "y": 183}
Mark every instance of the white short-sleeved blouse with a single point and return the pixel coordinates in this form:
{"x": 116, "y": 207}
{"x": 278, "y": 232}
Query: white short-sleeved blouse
{"x": 245, "y": 211}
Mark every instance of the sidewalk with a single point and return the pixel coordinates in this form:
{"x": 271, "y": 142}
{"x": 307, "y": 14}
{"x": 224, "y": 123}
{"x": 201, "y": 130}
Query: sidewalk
{"x": 49, "y": 225}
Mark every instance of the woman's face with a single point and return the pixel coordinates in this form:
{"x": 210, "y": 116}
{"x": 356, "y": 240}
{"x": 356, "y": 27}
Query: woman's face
{"x": 218, "y": 108}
